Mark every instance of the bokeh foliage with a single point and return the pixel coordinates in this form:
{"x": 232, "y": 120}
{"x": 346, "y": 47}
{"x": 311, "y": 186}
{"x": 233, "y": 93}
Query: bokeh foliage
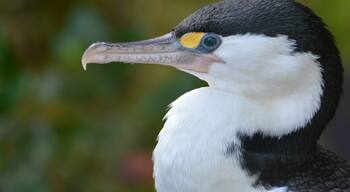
{"x": 63, "y": 129}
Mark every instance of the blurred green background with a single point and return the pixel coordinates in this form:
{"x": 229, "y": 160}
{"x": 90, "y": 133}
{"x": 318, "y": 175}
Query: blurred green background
{"x": 63, "y": 129}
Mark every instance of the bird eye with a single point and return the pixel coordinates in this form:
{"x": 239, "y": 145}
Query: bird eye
{"x": 210, "y": 42}
{"x": 204, "y": 42}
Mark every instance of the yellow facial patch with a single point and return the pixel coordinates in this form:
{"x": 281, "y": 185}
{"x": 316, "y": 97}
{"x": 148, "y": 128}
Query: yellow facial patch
{"x": 191, "y": 40}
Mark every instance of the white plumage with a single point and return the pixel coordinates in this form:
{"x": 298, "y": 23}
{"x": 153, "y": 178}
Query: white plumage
{"x": 191, "y": 155}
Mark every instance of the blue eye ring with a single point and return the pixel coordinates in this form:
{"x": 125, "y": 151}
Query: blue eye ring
{"x": 210, "y": 42}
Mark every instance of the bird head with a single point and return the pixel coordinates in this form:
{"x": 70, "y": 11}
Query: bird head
{"x": 255, "y": 48}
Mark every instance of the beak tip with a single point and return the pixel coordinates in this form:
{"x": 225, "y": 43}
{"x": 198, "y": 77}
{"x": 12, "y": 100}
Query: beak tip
{"x": 91, "y": 54}
{"x": 86, "y": 59}
{"x": 84, "y": 66}
{"x": 84, "y": 63}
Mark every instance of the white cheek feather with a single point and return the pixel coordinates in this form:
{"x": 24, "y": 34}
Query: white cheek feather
{"x": 281, "y": 189}
{"x": 262, "y": 67}
{"x": 191, "y": 155}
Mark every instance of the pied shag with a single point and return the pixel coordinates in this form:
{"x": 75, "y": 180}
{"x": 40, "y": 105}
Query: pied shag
{"x": 275, "y": 79}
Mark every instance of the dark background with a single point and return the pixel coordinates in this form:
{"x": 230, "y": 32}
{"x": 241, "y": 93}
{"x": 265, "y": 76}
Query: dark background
{"x": 63, "y": 129}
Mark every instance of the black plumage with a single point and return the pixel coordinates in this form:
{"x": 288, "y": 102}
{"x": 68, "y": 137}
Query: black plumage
{"x": 294, "y": 160}
{"x": 318, "y": 170}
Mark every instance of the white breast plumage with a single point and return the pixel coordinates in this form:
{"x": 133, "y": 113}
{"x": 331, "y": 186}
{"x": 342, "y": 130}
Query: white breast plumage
{"x": 191, "y": 154}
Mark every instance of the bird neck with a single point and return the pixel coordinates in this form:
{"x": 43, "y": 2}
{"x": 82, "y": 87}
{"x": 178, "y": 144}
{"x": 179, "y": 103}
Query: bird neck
{"x": 212, "y": 131}
{"x": 304, "y": 138}
{"x": 261, "y": 126}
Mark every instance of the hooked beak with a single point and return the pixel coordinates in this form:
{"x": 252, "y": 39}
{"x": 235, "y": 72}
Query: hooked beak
{"x": 165, "y": 50}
